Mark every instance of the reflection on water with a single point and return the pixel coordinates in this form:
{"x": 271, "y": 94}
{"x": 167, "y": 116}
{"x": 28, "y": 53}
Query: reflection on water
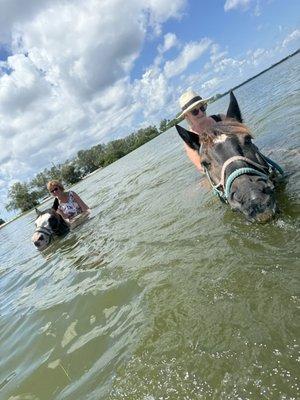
{"x": 163, "y": 293}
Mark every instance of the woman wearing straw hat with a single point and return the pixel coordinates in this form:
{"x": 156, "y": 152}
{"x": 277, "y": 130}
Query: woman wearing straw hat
{"x": 193, "y": 109}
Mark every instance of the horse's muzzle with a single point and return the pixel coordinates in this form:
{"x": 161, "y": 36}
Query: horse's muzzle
{"x": 261, "y": 210}
{"x": 40, "y": 240}
{"x": 255, "y": 199}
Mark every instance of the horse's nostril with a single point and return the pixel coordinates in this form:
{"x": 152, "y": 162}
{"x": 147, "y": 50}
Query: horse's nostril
{"x": 268, "y": 202}
{"x": 236, "y": 196}
{"x": 256, "y": 208}
{"x": 36, "y": 243}
{"x": 267, "y": 190}
{"x": 233, "y": 194}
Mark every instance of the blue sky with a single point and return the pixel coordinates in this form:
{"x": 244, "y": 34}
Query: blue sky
{"x": 73, "y": 73}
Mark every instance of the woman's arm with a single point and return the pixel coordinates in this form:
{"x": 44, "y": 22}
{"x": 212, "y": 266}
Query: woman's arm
{"x": 62, "y": 214}
{"x": 194, "y": 156}
{"x": 84, "y": 207}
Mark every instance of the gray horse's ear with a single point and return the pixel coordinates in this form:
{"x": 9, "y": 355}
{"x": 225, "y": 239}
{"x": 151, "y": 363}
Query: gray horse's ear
{"x": 38, "y": 212}
{"x": 234, "y": 109}
{"x": 190, "y": 138}
{"x": 55, "y": 204}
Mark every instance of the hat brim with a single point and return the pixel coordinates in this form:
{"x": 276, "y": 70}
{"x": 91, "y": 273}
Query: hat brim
{"x": 192, "y": 106}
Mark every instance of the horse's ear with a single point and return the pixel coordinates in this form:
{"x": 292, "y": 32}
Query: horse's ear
{"x": 234, "y": 109}
{"x": 38, "y": 212}
{"x": 55, "y": 204}
{"x": 190, "y": 138}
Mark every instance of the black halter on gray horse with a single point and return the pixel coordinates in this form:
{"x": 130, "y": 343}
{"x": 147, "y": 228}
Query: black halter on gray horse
{"x": 49, "y": 224}
{"x": 237, "y": 171}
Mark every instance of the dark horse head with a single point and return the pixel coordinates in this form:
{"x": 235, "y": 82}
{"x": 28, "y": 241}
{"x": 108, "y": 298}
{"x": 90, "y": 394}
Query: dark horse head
{"x": 48, "y": 225}
{"x": 236, "y": 169}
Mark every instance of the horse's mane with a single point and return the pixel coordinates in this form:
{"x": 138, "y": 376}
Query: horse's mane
{"x": 55, "y": 204}
{"x": 229, "y": 126}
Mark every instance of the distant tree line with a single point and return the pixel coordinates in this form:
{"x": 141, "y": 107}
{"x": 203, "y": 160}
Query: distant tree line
{"x": 24, "y": 196}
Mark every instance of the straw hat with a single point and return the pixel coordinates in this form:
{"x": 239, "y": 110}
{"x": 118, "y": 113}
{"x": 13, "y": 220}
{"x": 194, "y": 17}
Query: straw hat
{"x": 190, "y": 100}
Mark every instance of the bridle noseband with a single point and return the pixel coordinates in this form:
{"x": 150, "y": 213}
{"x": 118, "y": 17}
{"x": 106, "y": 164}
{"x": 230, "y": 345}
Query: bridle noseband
{"x": 45, "y": 231}
{"x": 222, "y": 188}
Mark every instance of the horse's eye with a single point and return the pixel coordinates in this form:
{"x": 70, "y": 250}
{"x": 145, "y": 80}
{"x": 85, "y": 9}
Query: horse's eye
{"x": 205, "y": 164}
{"x": 248, "y": 140}
{"x": 52, "y": 221}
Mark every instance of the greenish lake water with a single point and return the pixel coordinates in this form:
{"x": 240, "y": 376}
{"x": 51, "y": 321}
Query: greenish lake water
{"x": 164, "y": 293}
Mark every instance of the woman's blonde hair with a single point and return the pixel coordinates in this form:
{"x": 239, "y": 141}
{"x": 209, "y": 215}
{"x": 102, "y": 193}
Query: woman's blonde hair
{"x": 54, "y": 183}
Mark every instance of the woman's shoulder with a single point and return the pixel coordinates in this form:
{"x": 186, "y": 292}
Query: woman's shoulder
{"x": 73, "y": 195}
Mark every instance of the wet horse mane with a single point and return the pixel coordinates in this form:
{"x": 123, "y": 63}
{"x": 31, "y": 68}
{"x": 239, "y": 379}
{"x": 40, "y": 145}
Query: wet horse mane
{"x": 229, "y": 126}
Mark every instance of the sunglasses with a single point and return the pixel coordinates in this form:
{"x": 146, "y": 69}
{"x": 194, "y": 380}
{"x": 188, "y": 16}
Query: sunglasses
{"x": 195, "y": 111}
{"x": 54, "y": 190}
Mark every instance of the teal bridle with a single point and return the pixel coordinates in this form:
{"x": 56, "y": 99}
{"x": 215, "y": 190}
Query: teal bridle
{"x": 223, "y": 187}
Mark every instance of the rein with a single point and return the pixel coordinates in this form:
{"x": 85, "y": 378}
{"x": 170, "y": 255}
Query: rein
{"x": 222, "y": 188}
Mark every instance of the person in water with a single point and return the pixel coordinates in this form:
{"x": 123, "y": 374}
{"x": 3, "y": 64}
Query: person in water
{"x": 70, "y": 205}
{"x": 193, "y": 109}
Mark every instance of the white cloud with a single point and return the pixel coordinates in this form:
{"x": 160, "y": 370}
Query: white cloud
{"x": 24, "y": 86}
{"x": 258, "y": 53}
{"x": 257, "y": 10}
{"x": 170, "y": 40}
{"x": 236, "y": 4}
{"x": 295, "y": 35}
{"x": 151, "y": 92}
{"x": 211, "y": 84}
{"x": 12, "y": 14}
{"x": 91, "y": 55}
{"x": 227, "y": 63}
{"x": 191, "y": 52}
{"x": 161, "y": 10}
{"x": 66, "y": 85}
{"x": 216, "y": 53}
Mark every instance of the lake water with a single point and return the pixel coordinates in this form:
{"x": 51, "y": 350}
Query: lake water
{"x": 164, "y": 293}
